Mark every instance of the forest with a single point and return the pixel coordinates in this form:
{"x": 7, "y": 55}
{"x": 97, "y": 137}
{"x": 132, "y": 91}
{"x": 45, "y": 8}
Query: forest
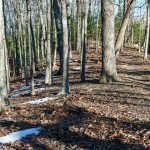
{"x": 74, "y": 74}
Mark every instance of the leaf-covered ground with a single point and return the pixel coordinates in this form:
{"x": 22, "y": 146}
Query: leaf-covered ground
{"x": 93, "y": 116}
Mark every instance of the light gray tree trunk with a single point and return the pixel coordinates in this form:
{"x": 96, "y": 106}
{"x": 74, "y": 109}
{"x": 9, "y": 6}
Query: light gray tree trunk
{"x": 6, "y": 55}
{"x": 140, "y": 32}
{"x": 148, "y": 31}
{"x": 48, "y": 78}
{"x": 3, "y": 86}
{"x": 108, "y": 72}
{"x": 23, "y": 26}
{"x": 43, "y": 28}
{"x": 79, "y": 14}
{"x": 121, "y": 34}
{"x": 32, "y": 67}
{"x": 97, "y": 30}
{"x": 55, "y": 48}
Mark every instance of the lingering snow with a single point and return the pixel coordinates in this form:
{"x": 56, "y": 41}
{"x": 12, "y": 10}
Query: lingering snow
{"x": 79, "y": 68}
{"x": 39, "y": 89}
{"x": 40, "y": 100}
{"x": 22, "y": 89}
{"x": 17, "y": 95}
{"x": 14, "y": 96}
{"x": 12, "y": 137}
{"x": 26, "y": 87}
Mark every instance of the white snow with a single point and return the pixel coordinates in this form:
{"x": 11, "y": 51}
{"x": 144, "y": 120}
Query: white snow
{"x": 39, "y": 89}
{"x": 27, "y": 92}
{"x": 40, "y": 100}
{"x": 22, "y": 89}
{"x": 79, "y": 68}
{"x": 14, "y": 96}
{"x": 26, "y": 87}
{"x": 12, "y": 137}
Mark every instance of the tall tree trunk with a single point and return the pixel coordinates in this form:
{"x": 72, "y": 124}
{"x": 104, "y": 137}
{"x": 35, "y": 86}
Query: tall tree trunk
{"x": 6, "y": 54}
{"x": 58, "y": 21}
{"x": 32, "y": 50}
{"x": 147, "y": 44}
{"x": 65, "y": 83}
{"x": 108, "y": 72}
{"x": 97, "y": 31}
{"x": 55, "y": 49}
{"x": 23, "y": 26}
{"x": 84, "y": 39}
{"x": 121, "y": 34}
{"x": 3, "y": 86}
{"x": 48, "y": 78}
{"x": 42, "y": 27}
{"x": 79, "y": 24}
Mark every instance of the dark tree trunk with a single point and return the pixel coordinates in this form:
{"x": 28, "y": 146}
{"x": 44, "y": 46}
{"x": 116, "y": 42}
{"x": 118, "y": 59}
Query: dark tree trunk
{"x": 58, "y": 21}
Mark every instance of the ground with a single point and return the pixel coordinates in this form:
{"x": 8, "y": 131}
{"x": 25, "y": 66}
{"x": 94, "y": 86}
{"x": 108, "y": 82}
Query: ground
{"x": 93, "y": 116}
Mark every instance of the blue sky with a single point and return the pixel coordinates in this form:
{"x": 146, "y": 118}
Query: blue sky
{"x": 137, "y": 8}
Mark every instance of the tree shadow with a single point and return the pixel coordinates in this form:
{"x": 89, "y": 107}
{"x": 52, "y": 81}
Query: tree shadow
{"x": 72, "y": 139}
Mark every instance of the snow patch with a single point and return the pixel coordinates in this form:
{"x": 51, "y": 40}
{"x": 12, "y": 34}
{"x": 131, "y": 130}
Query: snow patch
{"x": 40, "y": 100}
{"x": 14, "y": 96}
{"x": 39, "y": 89}
{"x": 22, "y": 89}
{"x": 27, "y": 92}
{"x": 26, "y": 87}
{"x": 79, "y": 68}
{"x": 12, "y": 137}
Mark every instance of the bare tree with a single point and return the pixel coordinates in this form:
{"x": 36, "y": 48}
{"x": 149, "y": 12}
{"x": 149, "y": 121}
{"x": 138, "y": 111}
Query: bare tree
{"x": 108, "y": 72}
{"x": 121, "y": 34}
{"x": 147, "y": 42}
{"x": 3, "y": 86}
{"x": 65, "y": 83}
{"x": 48, "y": 78}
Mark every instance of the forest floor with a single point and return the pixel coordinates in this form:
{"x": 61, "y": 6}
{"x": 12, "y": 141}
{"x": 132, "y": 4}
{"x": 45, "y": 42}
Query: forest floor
{"x": 92, "y": 117}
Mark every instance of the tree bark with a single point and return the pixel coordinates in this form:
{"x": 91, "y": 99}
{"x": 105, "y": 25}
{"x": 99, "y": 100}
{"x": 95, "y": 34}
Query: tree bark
{"x": 58, "y": 21}
{"x": 121, "y": 34}
{"x": 48, "y": 78}
{"x": 65, "y": 83}
{"x": 3, "y": 86}
{"x": 79, "y": 25}
{"x": 84, "y": 39}
{"x": 147, "y": 44}
{"x": 108, "y": 72}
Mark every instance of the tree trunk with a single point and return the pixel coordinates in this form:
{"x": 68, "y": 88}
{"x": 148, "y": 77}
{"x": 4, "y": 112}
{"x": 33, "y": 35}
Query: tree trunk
{"x": 121, "y": 34}
{"x": 3, "y": 86}
{"x": 42, "y": 27}
{"x": 48, "y": 78}
{"x": 6, "y": 55}
{"x": 84, "y": 39}
{"x": 79, "y": 25}
{"x": 97, "y": 31}
{"x": 108, "y": 72}
{"x": 65, "y": 83}
{"x": 147, "y": 44}
{"x": 32, "y": 51}
{"x": 58, "y": 21}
